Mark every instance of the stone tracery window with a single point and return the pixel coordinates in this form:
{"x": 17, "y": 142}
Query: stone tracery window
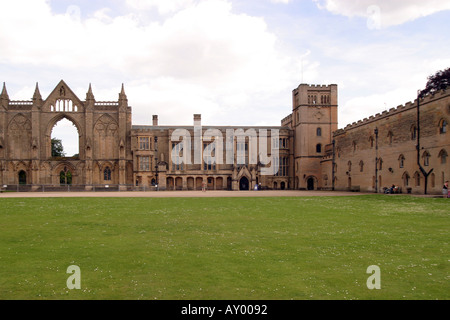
{"x": 107, "y": 174}
{"x": 64, "y": 105}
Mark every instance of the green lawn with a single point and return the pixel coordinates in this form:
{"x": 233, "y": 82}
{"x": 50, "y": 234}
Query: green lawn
{"x": 225, "y": 248}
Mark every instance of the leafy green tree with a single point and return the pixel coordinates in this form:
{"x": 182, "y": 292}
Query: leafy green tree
{"x": 439, "y": 81}
{"x": 57, "y": 148}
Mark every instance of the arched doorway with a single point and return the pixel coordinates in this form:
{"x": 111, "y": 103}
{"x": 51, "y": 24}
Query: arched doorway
{"x": 198, "y": 183}
{"x": 283, "y": 185}
{"x": 179, "y": 183}
{"x": 170, "y": 183}
{"x": 219, "y": 183}
{"x": 310, "y": 184}
{"x": 190, "y": 183}
{"x": 244, "y": 184}
{"x": 22, "y": 177}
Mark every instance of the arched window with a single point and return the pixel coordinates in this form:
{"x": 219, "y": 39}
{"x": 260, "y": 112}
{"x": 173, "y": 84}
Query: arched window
{"x": 65, "y": 177}
{"x": 443, "y": 126}
{"x": 107, "y": 174}
{"x": 413, "y": 132}
{"x": 354, "y": 145}
{"x": 426, "y": 159}
{"x": 64, "y": 105}
{"x": 319, "y": 148}
{"x": 361, "y": 166}
{"x": 371, "y": 141}
{"x": 417, "y": 179}
{"x": 443, "y": 155}
{"x": 349, "y": 164}
{"x": 401, "y": 161}
{"x": 405, "y": 179}
{"x": 390, "y": 137}
{"x": 319, "y": 132}
{"x": 380, "y": 164}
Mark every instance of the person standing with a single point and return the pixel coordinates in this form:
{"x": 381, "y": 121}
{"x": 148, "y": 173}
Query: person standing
{"x": 203, "y": 186}
{"x": 445, "y": 190}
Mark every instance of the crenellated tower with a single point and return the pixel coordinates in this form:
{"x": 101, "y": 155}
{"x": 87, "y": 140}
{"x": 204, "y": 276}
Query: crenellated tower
{"x": 314, "y": 119}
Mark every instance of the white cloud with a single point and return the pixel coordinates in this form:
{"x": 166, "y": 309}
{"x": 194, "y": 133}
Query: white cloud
{"x": 384, "y": 12}
{"x": 163, "y": 6}
{"x": 202, "y": 58}
{"x": 281, "y": 1}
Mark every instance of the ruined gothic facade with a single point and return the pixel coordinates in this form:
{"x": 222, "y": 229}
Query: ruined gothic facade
{"x": 312, "y": 153}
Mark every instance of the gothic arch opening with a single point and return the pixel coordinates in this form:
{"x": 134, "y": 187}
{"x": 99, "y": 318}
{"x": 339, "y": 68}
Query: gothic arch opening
{"x": 64, "y": 174}
{"x": 64, "y": 139}
{"x": 22, "y": 177}
{"x": 244, "y": 184}
{"x": 310, "y": 184}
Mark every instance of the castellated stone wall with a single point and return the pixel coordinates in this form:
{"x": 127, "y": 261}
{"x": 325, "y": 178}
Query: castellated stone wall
{"x": 357, "y": 149}
{"x": 313, "y": 154}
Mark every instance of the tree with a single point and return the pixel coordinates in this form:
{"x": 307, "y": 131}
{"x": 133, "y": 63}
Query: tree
{"x": 57, "y": 148}
{"x": 439, "y": 81}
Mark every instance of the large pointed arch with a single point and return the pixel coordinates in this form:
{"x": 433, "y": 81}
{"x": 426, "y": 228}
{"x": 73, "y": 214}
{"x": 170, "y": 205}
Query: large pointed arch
{"x": 52, "y": 123}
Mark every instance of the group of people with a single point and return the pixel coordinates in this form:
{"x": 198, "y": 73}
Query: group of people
{"x": 393, "y": 189}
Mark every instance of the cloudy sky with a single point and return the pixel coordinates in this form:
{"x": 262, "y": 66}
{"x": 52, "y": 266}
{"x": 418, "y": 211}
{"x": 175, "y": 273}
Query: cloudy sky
{"x": 234, "y": 61}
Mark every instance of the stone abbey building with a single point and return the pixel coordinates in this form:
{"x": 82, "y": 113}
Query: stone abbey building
{"x": 312, "y": 153}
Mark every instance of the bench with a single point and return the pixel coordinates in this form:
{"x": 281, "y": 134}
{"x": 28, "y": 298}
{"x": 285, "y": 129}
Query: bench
{"x": 355, "y": 188}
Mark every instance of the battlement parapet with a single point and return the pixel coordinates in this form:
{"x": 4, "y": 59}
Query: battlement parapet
{"x": 393, "y": 111}
{"x": 286, "y": 119}
{"x": 316, "y": 86}
{"x": 21, "y": 102}
{"x": 107, "y": 103}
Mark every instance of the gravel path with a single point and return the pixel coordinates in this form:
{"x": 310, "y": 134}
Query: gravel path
{"x": 179, "y": 194}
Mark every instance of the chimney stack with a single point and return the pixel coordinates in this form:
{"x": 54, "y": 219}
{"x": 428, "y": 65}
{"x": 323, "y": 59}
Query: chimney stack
{"x": 197, "y": 118}
{"x": 155, "y": 120}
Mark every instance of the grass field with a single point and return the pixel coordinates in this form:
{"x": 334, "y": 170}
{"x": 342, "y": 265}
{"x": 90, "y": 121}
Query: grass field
{"x": 225, "y": 248}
